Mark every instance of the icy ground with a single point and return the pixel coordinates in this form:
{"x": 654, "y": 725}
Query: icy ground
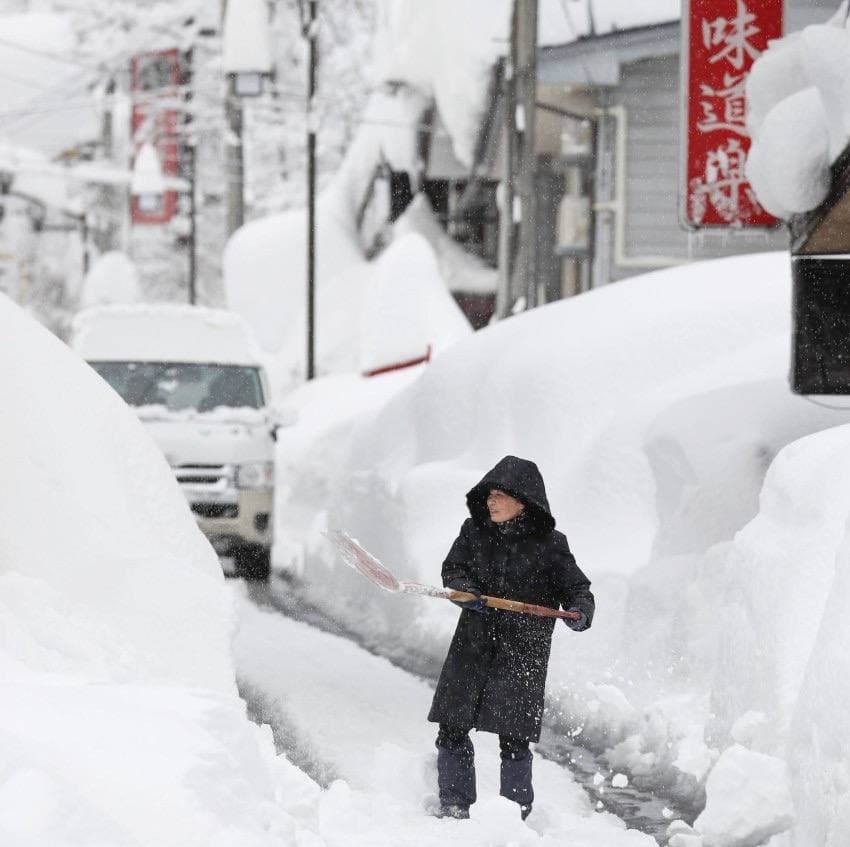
{"x": 357, "y": 724}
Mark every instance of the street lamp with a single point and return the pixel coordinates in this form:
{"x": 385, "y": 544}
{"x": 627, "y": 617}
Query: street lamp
{"x": 246, "y": 62}
{"x": 247, "y": 59}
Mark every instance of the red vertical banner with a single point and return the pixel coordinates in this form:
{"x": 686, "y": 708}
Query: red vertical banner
{"x": 155, "y": 84}
{"x": 721, "y": 40}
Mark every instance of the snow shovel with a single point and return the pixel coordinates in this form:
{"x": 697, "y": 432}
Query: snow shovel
{"x": 365, "y": 563}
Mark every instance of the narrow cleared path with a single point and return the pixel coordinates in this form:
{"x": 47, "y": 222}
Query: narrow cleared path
{"x": 394, "y": 692}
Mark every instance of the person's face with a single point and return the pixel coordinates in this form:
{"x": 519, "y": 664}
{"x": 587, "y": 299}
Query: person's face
{"x": 502, "y": 507}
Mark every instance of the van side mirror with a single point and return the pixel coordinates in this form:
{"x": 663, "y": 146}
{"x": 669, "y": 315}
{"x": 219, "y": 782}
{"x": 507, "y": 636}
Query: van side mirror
{"x": 280, "y": 416}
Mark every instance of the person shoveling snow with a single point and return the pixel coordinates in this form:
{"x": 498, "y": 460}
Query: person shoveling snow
{"x": 494, "y": 675}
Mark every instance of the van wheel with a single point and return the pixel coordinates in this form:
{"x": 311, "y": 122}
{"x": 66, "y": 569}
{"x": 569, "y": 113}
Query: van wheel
{"x": 253, "y": 562}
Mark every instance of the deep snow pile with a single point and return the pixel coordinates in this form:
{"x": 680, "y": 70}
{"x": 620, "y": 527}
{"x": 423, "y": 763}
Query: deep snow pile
{"x": 120, "y": 722}
{"x": 113, "y": 278}
{"x": 369, "y": 314}
{"x": 798, "y": 115}
{"x": 654, "y": 409}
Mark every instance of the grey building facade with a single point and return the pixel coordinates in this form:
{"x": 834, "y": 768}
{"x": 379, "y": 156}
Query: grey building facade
{"x": 629, "y": 84}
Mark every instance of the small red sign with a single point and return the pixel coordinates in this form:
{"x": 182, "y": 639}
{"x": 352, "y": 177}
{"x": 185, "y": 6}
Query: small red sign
{"x": 155, "y": 80}
{"x": 722, "y": 39}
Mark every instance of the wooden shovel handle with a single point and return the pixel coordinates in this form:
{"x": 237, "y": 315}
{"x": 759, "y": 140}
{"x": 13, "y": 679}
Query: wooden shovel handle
{"x": 515, "y": 606}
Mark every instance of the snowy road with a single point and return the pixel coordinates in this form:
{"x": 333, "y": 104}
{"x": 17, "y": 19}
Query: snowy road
{"x": 356, "y": 724}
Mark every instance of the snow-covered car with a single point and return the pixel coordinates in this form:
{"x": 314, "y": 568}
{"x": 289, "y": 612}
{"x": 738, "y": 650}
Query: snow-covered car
{"x": 195, "y": 378}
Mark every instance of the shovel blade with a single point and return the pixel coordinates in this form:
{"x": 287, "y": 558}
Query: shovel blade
{"x": 362, "y": 560}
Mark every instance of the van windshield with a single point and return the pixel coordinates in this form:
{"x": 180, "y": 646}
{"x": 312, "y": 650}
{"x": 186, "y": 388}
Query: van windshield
{"x": 179, "y": 387}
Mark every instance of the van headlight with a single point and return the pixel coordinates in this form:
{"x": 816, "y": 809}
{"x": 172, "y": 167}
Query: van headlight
{"x": 255, "y": 475}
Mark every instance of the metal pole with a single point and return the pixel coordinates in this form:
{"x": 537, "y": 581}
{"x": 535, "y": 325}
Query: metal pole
{"x": 526, "y": 72}
{"x": 192, "y": 243}
{"x": 311, "y": 192}
{"x": 84, "y": 237}
{"x": 507, "y": 245}
{"x": 235, "y": 162}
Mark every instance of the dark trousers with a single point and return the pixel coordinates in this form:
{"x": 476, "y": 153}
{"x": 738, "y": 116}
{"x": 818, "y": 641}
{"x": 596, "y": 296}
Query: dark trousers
{"x": 456, "y": 768}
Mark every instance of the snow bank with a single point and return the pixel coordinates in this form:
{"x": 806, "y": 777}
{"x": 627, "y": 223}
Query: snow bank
{"x": 113, "y": 278}
{"x": 120, "y": 722}
{"x": 369, "y": 314}
{"x": 799, "y": 116}
{"x": 264, "y": 263}
{"x": 660, "y": 408}
{"x": 462, "y": 271}
{"x": 748, "y": 799}
{"x": 406, "y": 312}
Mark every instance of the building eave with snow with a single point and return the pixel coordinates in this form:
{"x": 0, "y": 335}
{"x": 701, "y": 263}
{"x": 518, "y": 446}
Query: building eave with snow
{"x": 609, "y": 148}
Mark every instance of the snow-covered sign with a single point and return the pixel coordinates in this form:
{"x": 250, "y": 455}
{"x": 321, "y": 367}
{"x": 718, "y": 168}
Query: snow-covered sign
{"x": 155, "y": 79}
{"x": 721, "y": 40}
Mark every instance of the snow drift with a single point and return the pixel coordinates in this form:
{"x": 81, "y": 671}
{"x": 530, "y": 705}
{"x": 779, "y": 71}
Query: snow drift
{"x": 120, "y": 722}
{"x": 654, "y": 409}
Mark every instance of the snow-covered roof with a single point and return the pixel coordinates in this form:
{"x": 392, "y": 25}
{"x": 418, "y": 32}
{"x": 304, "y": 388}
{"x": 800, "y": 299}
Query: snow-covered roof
{"x": 163, "y": 333}
{"x": 446, "y": 49}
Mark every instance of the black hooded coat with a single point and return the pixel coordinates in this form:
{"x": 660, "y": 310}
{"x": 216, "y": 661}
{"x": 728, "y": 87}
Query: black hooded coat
{"x": 494, "y": 675}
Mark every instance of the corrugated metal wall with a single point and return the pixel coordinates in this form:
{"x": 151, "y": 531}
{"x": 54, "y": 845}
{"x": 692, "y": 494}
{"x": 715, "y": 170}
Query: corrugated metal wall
{"x": 649, "y": 98}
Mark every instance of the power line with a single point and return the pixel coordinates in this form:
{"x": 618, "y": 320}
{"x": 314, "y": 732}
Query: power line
{"x": 15, "y": 78}
{"x": 45, "y": 53}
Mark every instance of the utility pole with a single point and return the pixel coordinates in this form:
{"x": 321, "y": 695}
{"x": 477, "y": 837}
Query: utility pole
{"x": 234, "y": 162}
{"x": 191, "y": 155}
{"x": 504, "y": 294}
{"x": 235, "y": 167}
{"x": 525, "y": 74}
{"x": 312, "y": 37}
{"x": 517, "y": 235}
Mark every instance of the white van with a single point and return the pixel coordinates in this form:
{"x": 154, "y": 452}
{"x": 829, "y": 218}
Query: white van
{"x": 195, "y": 378}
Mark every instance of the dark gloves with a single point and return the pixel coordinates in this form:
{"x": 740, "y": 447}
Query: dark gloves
{"x": 477, "y": 605}
{"x": 578, "y": 625}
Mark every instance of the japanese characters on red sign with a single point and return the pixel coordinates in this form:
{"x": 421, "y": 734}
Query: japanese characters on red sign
{"x": 155, "y": 80}
{"x": 724, "y": 38}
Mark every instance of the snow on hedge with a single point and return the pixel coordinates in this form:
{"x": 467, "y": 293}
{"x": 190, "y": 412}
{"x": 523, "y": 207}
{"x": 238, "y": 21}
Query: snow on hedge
{"x": 798, "y": 114}
{"x": 654, "y": 409}
{"x": 120, "y": 722}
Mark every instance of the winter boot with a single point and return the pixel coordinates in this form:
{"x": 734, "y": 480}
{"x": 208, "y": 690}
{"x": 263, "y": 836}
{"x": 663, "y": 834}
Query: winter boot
{"x": 516, "y": 780}
{"x": 460, "y": 813}
{"x": 456, "y": 778}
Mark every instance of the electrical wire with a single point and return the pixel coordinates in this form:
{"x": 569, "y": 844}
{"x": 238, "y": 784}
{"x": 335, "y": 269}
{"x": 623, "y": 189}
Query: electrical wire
{"x": 45, "y": 54}
{"x": 578, "y": 35}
